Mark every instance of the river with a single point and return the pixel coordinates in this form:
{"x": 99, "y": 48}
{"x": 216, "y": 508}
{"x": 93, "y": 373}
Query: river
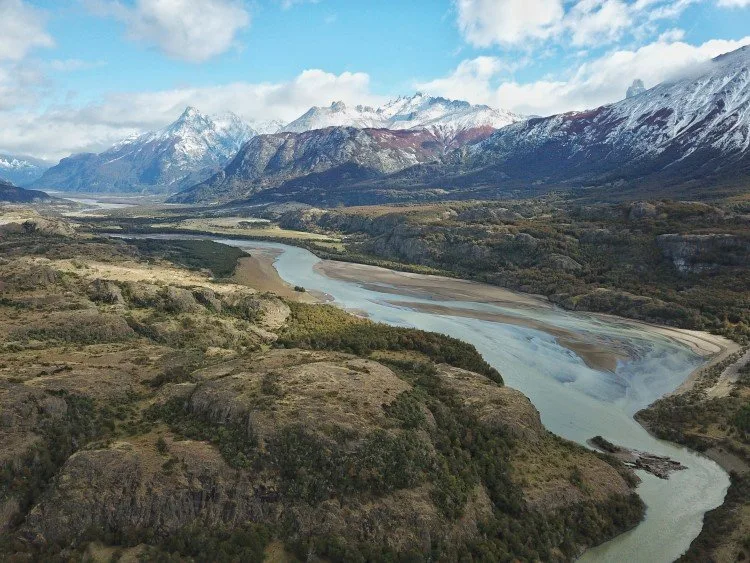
{"x": 575, "y": 400}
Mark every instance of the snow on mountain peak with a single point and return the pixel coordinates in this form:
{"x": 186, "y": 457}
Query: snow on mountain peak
{"x": 183, "y": 153}
{"x": 419, "y": 111}
{"x": 702, "y": 114}
{"x": 21, "y": 170}
{"x": 637, "y": 87}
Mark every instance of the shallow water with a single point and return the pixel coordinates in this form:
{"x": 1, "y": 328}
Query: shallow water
{"x": 574, "y": 400}
{"x": 93, "y": 202}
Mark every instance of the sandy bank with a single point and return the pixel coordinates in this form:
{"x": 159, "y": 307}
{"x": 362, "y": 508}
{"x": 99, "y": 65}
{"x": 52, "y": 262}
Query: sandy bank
{"x": 257, "y": 271}
{"x": 421, "y": 285}
{"x": 596, "y": 353}
{"x": 599, "y": 355}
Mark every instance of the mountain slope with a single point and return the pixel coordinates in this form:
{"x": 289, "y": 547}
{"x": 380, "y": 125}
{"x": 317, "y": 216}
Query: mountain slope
{"x": 329, "y": 157}
{"x": 680, "y": 132}
{"x": 21, "y": 170}
{"x": 445, "y": 118}
{"x": 13, "y": 194}
{"x": 186, "y": 152}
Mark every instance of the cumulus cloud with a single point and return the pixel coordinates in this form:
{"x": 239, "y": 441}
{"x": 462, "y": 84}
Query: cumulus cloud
{"x": 598, "y": 21}
{"x": 583, "y": 23}
{"x": 64, "y": 129}
{"x": 504, "y": 22}
{"x": 22, "y": 28}
{"x": 591, "y": 84}
{"x": 192, "y": 30}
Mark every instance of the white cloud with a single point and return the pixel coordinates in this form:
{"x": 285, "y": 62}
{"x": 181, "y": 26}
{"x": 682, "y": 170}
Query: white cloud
{"x": 22, "y": 28}
{"x": 508, "y": 22}
{"x": 65, "y": 129}
{"x": 592, "y": 84}
{"x": 192, "y": 30}
{"x": 472, "y": 79}
{"x": 595, "y": 21}
{"x": 526, "y": 23}
{"x": 672, "y": 35}
{"x": 734, "y": 3}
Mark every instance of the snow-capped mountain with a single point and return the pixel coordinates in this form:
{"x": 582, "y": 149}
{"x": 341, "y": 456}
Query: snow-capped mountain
{"x": 686, "y": 137}
{"x": 684, "y": 131}
{"x": 182, "y": 154}
{"x": 268, "y": 127}
{"x": 445, "y": 118}
{"x": 333, "y": 156}
{"x": 21, "y": 170}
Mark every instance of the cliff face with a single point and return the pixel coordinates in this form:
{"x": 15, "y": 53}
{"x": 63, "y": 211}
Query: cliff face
{"x": 695, "y": 254}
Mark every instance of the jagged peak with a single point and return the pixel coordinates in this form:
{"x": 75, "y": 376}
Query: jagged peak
{"x": 636, "y": 88}
{"x": 190, "y": 112}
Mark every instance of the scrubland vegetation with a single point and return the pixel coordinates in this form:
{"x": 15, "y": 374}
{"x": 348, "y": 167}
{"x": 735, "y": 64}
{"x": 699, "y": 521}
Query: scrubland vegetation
{"x": 152, "y": 412}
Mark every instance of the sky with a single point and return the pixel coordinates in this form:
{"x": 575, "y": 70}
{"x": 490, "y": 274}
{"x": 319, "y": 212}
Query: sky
{"x": 78, "y": 75}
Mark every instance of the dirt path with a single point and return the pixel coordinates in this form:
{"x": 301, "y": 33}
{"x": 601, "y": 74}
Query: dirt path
{"x": 729, "y": 377}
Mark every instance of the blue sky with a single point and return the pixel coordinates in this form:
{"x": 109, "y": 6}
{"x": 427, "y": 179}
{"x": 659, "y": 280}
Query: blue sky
{"x": 79, "y": 74}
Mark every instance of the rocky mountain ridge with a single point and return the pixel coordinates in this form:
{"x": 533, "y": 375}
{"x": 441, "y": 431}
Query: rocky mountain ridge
{"x": 13, "y": 194}
{"x": 322, "y": 158}
{"x": 21, "y": 170}
{"x": 444, "y": 118}
{"x": 175, "y": 157}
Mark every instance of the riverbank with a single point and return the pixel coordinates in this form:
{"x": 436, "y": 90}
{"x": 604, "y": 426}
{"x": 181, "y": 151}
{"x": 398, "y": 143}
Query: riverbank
{"x": 257, "y": 271}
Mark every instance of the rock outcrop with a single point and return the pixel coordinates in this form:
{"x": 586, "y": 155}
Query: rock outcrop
{"x": 695, "y": 254}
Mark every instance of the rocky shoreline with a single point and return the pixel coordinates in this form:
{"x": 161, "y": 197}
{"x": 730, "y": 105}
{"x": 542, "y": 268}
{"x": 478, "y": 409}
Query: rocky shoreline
{"x": 660, "y": 466}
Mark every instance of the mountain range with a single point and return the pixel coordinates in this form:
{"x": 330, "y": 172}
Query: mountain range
{"x": 444, "y": 118}
{"x": 324, "y": 159}
{"x": 676, "y": 137}
{"x": 679, "y": 133}
{"x": 21, "y": 170}
{"x": 179, "y": 156}
{"x": 196, "y": 146}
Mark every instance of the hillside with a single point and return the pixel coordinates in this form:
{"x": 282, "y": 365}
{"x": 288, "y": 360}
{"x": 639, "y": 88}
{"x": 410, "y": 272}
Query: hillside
{"x": 151, "y": 411}
{"x": 691, "y": 131}
{"x": 322, "y": 159}
{"x": 13, "y": 194}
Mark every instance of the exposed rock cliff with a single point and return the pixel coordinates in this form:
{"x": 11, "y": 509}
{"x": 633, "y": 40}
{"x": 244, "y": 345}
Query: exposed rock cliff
{"x": 697, "y": 254}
